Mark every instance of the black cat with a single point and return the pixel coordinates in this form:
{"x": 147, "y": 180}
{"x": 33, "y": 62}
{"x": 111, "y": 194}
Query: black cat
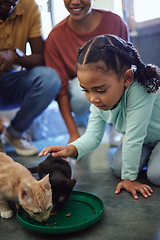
{"x": 60, "y": 179}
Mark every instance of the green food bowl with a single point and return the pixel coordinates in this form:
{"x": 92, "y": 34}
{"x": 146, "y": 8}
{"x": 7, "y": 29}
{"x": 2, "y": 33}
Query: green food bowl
{"x": 80, "y": 211}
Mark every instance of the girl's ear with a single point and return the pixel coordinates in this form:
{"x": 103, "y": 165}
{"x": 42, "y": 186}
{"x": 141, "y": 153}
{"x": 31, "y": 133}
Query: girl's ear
{"x": 128, "y": 77}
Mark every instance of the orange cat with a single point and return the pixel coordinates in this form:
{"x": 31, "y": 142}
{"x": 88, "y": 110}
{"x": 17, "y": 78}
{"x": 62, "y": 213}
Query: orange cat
{"x": 18, "y": 184}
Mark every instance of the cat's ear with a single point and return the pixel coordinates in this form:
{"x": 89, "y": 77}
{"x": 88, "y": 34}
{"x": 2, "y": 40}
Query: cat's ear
{"x": 71, "y": 182}
{"x": 25, "y": 192}
{"x": 45, "y": 183}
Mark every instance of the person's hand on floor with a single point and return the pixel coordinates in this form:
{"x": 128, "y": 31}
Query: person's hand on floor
{"x": 133, "y": 187}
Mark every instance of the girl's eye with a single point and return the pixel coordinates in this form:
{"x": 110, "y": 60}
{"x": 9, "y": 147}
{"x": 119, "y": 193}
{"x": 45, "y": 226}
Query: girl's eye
{"x": 84, "y": 90}
{"x": 101, "y": 91}
{"x": 98, "y": 91}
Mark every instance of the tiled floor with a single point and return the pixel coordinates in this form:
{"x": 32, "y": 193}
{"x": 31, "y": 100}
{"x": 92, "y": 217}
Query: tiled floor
{"x": 124, "y": 218}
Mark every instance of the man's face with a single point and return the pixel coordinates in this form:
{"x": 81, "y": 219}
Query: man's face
{"x": 7, "y": 7}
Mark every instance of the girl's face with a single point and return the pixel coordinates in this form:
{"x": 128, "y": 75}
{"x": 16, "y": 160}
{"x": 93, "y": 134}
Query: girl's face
{"x": 78, "y": 9}
{"x": 103, "y": 89}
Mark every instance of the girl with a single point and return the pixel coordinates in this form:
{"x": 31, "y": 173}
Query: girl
{"x": 124, "y": 92}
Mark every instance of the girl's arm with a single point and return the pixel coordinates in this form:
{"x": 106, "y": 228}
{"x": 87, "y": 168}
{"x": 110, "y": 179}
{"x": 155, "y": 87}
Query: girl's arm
{"x": 91, "y": 139}
{"x": 139, "y": 106}
{"x": 86, "y": 143}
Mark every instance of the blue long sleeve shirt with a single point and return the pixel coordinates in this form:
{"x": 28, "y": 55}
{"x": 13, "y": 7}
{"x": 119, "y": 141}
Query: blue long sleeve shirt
{"x": 137, "y": 117}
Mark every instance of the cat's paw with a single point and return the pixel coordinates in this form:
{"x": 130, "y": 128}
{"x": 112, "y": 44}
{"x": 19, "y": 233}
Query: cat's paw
{"x": 7, "y": 214}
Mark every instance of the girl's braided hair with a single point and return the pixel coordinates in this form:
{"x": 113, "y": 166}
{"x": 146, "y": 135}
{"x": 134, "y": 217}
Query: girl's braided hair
{"x": 117, "y": 54}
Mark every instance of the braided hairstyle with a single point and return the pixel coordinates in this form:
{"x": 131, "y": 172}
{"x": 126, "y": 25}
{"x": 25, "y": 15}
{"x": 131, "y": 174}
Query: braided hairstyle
{"x": 117, "y": 54}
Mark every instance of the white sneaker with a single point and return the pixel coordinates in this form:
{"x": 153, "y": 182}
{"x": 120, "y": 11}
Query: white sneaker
{"x": 23, "y": 146}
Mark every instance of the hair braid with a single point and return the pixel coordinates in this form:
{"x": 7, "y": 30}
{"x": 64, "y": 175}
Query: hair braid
{"x": 117, "y": 54}
{"x": 121, "y": 53}
{"x": 148, "y": 75}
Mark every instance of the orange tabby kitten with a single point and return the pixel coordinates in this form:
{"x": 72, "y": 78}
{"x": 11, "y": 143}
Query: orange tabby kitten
{"x": 18, "y": 184}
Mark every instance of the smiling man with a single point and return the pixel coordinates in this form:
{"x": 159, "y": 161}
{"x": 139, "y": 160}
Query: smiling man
{"x": 24, "y": 82}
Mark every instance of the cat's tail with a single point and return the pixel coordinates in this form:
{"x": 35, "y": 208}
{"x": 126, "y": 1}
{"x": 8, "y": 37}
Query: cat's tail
{"x": 33, "y": 169}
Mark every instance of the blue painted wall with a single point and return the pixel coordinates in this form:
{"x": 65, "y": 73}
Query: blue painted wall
{"x": 147, "y": 43}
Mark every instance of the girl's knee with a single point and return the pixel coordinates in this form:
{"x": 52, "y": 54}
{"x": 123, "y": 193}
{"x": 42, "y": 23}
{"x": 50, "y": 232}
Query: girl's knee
{"x": 116, "y": 169}
{"x": 153, "y": 169}
{"x": 153, "y": 176}
{"x": 116, "y": 164}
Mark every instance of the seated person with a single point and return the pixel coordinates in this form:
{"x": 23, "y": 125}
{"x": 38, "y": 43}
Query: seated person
{"x": 62, "y": 44}
{"x": 24, "y": 82}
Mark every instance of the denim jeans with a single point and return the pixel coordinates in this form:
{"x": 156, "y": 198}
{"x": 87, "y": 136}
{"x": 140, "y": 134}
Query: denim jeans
{"x": 79, "y": 103}
{"x": 150, "y": 157}
{"x": 31, "y": 90}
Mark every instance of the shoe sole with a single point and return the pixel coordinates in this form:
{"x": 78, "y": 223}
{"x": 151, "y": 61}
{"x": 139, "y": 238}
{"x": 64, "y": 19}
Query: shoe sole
{"x": 21, "y": 152}
{"x": 25, "y": 153}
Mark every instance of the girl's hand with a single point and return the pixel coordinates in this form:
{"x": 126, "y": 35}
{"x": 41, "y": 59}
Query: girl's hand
{"x": 59, "y": 151}
{"x": 134, "y": 187}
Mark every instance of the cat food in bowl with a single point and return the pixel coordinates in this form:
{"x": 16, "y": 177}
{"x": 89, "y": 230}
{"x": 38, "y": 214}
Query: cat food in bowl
{"x": 80, "y": 211}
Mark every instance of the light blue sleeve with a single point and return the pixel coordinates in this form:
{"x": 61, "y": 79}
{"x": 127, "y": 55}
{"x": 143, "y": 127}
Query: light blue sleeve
{"x": 91, "y": 139}
{"x": 139, "y": 106}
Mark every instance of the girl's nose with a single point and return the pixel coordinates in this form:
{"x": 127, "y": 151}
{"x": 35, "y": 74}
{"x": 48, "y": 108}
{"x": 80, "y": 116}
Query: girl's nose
{"x": 93, "y": 98}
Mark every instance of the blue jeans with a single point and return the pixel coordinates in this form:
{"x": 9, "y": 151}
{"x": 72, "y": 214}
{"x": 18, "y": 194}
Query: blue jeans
{"x": 79, "y": 103}
{"x": 150, "y": 157}
{"x": 31, "y": 90}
